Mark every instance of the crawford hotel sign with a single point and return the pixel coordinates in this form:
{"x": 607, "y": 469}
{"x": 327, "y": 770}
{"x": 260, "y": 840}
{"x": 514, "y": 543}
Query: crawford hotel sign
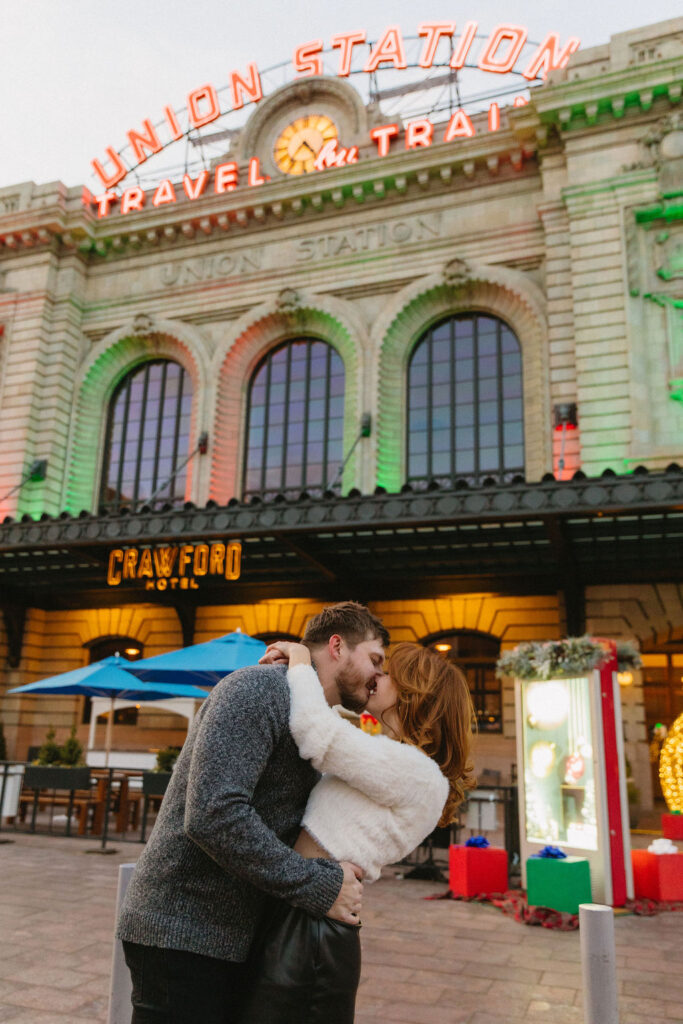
{"x": 442, "y": 54}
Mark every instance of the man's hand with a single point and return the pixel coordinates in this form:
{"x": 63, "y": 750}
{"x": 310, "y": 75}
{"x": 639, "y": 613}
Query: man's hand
{"x": 347, "y": 906}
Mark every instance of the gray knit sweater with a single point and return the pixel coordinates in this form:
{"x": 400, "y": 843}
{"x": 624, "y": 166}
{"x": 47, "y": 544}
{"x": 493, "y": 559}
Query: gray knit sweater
{"x": 222, "y": 838}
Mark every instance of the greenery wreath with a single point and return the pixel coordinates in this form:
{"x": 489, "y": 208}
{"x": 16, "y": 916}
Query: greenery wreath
{"x": 554, "y": 659}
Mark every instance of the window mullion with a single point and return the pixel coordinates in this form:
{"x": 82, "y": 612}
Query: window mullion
{"x": 160, "y": 418}
{"x": 304, "y": 454}
{"x": 141, "y": 436}
{"x": 285, "y": 424}
{"x": 176, "y": 433}
{"x": 266, "y": 425}
{"x": 453, "y": 451}
{"x": 430, "y": 404}
{"x": 475, "y": 389}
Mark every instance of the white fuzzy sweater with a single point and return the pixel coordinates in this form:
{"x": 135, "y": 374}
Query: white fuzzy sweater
{"x": 378, "y": 799}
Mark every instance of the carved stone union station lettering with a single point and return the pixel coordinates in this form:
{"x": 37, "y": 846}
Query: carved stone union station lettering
{"x": 369, "y": 238}
{"x": 186, "y": 272}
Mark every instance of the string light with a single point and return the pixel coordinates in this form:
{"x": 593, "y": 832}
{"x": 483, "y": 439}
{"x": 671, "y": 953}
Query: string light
{"x": 671, "y": 767}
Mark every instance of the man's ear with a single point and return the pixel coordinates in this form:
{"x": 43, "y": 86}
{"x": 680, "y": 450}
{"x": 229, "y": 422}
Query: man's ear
{"x": 334, "y": 646}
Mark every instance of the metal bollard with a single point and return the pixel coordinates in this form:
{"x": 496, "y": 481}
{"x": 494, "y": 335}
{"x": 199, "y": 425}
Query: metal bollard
{"x": 120, "y": 1007}
{"x": 598, "y": 964}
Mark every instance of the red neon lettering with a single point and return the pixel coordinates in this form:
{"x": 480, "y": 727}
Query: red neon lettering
{"x": 459, "y": 127}
{"x": 389, "y": 50}
{"x": 468, "y": 33}
{"x": 419, "y": 133}
{"x": 346, "y": 43}
{"x": 433, "y": 30}
{"x": 227, "y": 176}
{"x": 165, "y": 193}
{"x": 494, "y": 117}
{"x": 547, "y": 57}
{"x": 87, "y": 201}
{"x": 520, "y": 101}
{"x": 140, "y": 141}
{"x": 104, "y": 202}
{"x": 109, "y": 180}
{"x": 255, "y": 176}
{"x": 249, "y": 87}
{"x": 383, "y": 135}
{"x": 205, "y": 94}
{"x": 169, "y": 114}
{"x": 306, "y": 59}
{"x": 193, "y": 189}
{"x": 132, "y": 199}
{"x": 331, "y": 156}
{"x": 516, "y": 34}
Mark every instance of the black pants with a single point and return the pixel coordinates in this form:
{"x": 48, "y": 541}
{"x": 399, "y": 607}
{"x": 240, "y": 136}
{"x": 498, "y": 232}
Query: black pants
{"x": 171, "y": 986}
{"x": 303, "y": 970}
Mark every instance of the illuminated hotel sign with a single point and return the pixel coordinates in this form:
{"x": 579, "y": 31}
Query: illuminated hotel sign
{"x": 177, "y": 567}
{"x": 499, "y": 53}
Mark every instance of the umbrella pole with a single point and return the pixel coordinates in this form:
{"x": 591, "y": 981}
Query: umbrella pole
{"x": 110, "y": 726}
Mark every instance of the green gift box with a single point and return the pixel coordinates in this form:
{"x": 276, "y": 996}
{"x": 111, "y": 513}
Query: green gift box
{"x": 558, "y": 883}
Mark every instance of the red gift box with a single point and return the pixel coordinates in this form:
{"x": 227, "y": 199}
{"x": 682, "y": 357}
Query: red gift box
{"x": 477, "y": 871}
{"x": 672, "y": 826}
{"x": 657, "y": 876}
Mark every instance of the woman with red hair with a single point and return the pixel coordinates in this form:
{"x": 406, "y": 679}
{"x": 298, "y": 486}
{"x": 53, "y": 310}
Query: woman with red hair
{"x": 378, "y": 798}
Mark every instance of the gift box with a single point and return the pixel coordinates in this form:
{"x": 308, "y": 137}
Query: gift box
{"x": 477, "y": 871}
{"x": 657, "y": 876}
{"x": 558, "y": 883}
{"x": 672, "y": 826}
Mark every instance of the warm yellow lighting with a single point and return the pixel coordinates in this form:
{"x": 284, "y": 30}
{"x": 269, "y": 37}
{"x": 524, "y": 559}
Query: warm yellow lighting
{"x": 137, "y": 706}
{"x": 625, "y": 678}
{"x": 442, "y": 648}
{"x": 548, "y": 704}
{"x": 132, "y": 650}
{"x": 671, "y": 767}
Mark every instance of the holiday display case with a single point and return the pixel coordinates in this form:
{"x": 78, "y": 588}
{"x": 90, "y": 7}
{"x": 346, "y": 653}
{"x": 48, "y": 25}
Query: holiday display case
{"x": 572, "y": 776}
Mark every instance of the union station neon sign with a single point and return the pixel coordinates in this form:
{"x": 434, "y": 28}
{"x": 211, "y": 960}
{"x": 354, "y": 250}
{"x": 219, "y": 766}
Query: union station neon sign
{"x": 498, "y": 55}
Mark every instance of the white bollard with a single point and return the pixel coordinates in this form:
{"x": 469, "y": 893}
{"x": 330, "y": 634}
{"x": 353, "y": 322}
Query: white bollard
{"x": 598, "y": 964}
{"x": 120, "y": 1006}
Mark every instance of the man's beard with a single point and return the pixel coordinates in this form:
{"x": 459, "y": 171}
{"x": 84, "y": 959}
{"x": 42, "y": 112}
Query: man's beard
{"x": 352, "y": 686}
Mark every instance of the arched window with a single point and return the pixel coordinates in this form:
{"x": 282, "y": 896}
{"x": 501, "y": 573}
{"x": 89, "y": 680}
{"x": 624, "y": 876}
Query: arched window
{"x": 465, "y": 416}
{"x": 476, "y": 655}
{"x": 148, "y": 434}
{"x": 295, "y": 420}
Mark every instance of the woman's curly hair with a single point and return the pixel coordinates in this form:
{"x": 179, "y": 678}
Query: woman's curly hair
{"x": 435, "y": 710}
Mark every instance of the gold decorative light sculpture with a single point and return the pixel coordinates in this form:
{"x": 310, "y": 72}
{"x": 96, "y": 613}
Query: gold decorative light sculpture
{"x": 671, "y": 767}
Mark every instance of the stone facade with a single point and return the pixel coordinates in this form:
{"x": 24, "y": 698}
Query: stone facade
{"x": 566, "y": 224}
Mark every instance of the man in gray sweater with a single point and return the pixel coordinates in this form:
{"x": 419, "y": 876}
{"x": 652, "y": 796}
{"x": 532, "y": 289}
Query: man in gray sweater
{"x": 222, "y": 840}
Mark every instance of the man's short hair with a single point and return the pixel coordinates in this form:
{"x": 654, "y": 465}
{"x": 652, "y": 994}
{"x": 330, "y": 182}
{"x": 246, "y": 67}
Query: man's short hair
{"x": 352, "y": 621}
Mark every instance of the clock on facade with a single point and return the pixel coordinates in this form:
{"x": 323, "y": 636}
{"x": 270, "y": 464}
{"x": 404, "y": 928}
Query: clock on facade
{"x": 299, "y": 143}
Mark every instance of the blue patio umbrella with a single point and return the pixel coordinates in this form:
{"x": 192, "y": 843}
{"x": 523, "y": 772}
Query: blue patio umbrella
{"x": 205, "y": 664}
{"x": 111, "y": 678}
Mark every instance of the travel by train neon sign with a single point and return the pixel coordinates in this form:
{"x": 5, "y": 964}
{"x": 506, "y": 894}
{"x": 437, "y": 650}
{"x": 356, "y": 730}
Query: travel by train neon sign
{"x": 349, "y": 53}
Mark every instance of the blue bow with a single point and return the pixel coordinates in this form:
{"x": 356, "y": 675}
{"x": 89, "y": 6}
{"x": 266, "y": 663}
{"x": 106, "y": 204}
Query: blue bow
{"x": 479, "y": 841}
{"x": 551, "y": 851}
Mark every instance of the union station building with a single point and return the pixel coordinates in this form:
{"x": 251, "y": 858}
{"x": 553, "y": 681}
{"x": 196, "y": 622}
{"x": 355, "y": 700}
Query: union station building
{"x": 442, "y": 376}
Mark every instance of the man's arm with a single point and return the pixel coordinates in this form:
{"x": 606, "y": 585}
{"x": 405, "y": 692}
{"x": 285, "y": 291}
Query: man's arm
{"x": 241, "y": 725}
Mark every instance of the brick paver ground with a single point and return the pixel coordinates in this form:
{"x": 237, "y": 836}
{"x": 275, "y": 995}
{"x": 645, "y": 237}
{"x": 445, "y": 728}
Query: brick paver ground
{"x": 424, "y": 962}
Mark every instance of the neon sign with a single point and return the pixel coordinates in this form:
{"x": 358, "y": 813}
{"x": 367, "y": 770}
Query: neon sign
{"x": 179, "y": 567}
{"x": 500, "y": 52}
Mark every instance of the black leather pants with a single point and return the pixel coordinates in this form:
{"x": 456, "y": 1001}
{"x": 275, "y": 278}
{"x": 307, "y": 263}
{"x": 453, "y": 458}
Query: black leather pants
{"x": 304, "y": 970}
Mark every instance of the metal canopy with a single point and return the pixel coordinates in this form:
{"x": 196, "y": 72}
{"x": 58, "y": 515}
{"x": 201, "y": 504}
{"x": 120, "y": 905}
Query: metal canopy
{"x": 518, "y": 538}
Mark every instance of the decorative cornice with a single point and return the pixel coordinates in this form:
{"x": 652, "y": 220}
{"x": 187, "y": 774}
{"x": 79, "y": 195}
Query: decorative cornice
{"x": 607, "y": 495}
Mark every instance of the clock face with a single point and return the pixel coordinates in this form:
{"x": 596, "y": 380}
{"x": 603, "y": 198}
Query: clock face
{"x": 299, "y": 144}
